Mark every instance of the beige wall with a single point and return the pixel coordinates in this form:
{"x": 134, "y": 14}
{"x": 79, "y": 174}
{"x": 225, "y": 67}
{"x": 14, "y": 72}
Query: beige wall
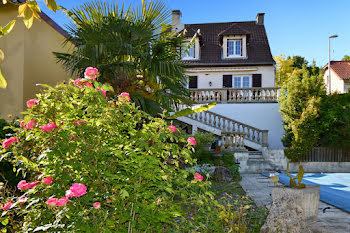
{"x": 28, "y": 61}
{"x": 215, "y": 75}
{"x": 337, "y": 84}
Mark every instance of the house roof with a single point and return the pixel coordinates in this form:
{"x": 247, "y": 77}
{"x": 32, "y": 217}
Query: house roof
{"x": 258, "y": 49}
{"x": 341, "y": 68}
{"x": 47, "y": 19}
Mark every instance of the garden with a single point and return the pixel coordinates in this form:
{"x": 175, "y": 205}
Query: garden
{"x": 94, "y": 163}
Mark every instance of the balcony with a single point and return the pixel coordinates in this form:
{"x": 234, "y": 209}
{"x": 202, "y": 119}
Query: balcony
{"x": 236, "y": 95}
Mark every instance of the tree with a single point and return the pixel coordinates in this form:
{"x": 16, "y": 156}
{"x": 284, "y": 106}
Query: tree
{"x": 346, "y": 58}
{"x": 28, "y": 11}
{"x": 300, "y": 100}
{"x": 293, "y": 66}
{"x": 299, "y": 61}
{"x": 134, "y": 49}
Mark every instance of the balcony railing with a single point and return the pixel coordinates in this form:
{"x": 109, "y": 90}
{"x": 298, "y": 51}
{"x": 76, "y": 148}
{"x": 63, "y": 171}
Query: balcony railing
{"x": 236, "y": 95}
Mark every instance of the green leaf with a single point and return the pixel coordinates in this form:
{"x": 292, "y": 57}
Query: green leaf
{"x": 3, "y": 82}
{"x": 5, "y": 221}
{"x": 8, "y": 28}
{"x": 189, "y": 111}
{"x": 124, "y": 194}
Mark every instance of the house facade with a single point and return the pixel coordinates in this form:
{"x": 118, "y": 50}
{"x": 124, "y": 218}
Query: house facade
{"x": 28, "y": 59}
{"x": 231, "y": 64}
{"x": 340, "y": 77}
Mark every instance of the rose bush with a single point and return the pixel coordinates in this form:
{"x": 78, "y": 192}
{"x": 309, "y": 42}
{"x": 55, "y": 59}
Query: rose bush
{"x": 94, "y": 164}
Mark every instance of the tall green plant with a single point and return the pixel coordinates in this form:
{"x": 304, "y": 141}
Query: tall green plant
{"x": 134, "y": 49}
{"x": 300, "y": 100}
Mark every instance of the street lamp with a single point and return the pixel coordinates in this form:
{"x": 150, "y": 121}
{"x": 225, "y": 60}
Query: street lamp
{"x": 329, "y": 62}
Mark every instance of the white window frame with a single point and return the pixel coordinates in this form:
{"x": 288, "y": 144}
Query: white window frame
{"x": 241, "y": 78}
{"x": 225, "y": 47}
{"x": 195, "y": 48}
{"x": 234, "y": 49}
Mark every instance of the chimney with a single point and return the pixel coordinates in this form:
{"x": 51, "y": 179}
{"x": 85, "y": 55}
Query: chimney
{"x": 175, "y": 21}
{"x": 260, "y": 18}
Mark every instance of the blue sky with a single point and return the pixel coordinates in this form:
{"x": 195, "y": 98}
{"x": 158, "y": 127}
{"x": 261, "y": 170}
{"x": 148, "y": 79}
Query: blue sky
{"x": 294, "y": 27}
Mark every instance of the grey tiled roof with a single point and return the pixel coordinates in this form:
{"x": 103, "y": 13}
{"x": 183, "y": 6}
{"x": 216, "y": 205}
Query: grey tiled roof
{"x": 258, "y": 49}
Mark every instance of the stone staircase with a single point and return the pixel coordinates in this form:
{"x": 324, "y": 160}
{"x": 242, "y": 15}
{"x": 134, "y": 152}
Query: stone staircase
{"x": 234, "y": 134}
{"x": 236, "y": 137}
{"x": 257, "y": 164}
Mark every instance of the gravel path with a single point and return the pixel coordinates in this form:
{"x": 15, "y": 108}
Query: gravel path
{"x": 333, "y": 220}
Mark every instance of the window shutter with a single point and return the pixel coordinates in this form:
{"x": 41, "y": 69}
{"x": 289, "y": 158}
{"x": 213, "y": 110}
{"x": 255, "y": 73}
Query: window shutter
{"x": 227, "y": 81}
{"x": 193, "y": 83}
{"x": 256, "y": 80}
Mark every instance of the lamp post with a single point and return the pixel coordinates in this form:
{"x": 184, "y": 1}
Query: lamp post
{"x": 329, "y": 62}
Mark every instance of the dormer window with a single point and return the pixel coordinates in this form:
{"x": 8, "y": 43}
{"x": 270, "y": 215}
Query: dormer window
{"x": 192, "y": 53}
{"x": 234, "y": 48}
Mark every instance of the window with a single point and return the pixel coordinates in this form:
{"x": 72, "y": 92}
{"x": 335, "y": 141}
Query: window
{"x": 193, "y": 82}
{"x": 234, "y": 48}
{"x": 237, "y": 82}
{"x": 242, "y": 82}
{"x": 227, "y": 81}
{"x": 189, "y": 54}
{"x": 246, "y": 82}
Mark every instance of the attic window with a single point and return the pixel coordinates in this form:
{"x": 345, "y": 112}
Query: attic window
{"x": 234, "y": 48}
{"x": 189, "y": 54}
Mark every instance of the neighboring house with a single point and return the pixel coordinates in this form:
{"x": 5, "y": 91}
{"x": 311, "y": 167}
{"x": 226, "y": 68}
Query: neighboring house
{"x": 28, "y": 59}
{"x": 231, "y": 64}
{"x": 340, "y": 76}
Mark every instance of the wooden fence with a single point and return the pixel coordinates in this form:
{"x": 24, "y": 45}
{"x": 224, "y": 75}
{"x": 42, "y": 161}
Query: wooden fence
{"x": 325, "y": 154}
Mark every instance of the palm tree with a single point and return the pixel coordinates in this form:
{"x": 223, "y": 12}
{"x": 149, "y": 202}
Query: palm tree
{"x": 134, "y": 49}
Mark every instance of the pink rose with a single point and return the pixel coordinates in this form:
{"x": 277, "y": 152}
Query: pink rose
{"x": 31, "y": 103}
{"x": 7, "y": 205}
{"x": 96, "y": 205}
{"x": 69, "y": 194}
{"x": 30, "y": 124}
{"x": 91, "y": 73}
{"x": 78, "y": 189}
{"x": 172, "y": 128}
{"x": 33, "y": 184}
{"x": 23, "y": 124}
{"x": 87, "y": 83}
{"x": 26, "y": 148}
{"x": 73, "y": 137}
{"x": 50, "y": 126}
{"x": 103, "y": 91}
{"x": 191, "y": 141}
{"x": 79, "y": 121}
{"x": 7, "y": 142}
{"x": 52, "y": 201}
{"x": 22, "y": 185}
{"x": 81, "y": 83}
{"x": 78, "y": 82}
{"x": 47, "y": 180}
{"x": 62, "y": 201}
{"x": 198, "y": 176}
{"x": 124, "y": 96}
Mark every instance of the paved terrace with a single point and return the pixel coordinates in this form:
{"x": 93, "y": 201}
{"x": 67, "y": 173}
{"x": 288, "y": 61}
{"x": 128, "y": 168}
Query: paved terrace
{"x": 330, "y": 218}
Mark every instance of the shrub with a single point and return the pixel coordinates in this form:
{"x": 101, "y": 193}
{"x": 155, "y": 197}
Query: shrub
{"x": 93, "y": 165}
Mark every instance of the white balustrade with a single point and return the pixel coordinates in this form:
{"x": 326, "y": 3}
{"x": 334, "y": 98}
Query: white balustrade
{"x": 235, "y": 95}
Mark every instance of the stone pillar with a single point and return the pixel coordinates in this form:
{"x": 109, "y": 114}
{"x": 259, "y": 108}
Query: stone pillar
{"x": 265, "y": 138}
{"x": 194, "y": 129}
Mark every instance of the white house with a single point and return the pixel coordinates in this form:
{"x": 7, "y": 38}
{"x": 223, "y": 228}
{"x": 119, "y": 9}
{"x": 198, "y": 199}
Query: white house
{"x": 231, "y": 64}
{"x": 340, "y": 76}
